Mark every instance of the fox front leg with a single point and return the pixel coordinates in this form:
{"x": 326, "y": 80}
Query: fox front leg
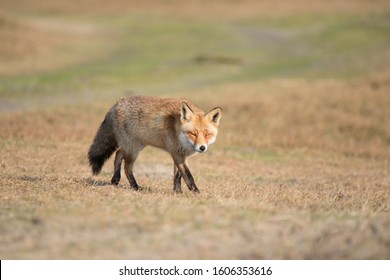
{"x": 176, "y": 180}
{"x": 187, "y": 176}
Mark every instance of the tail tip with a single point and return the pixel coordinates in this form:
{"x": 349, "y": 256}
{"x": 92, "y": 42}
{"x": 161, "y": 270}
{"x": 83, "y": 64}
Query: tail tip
{"x": 96, "y": 164}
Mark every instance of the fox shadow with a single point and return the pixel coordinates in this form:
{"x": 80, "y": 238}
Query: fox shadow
{"x": 95, "y": 183}
{"x": 101, "y": 183}
{"x": 162, "y": 190}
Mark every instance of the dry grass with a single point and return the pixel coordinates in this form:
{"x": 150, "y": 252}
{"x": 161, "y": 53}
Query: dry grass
{"x": 300, "y": 170}
{"x": 284, "y": 180}
{"x": 348, "y": 118}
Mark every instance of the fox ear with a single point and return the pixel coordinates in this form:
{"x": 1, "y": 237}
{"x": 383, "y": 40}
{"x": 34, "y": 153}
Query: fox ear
{"x": 186, "y": 114}
{"x": 214, "y": 115}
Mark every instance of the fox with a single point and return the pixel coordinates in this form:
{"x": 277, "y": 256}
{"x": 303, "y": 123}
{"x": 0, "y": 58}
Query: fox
{"x": 176, "y": 126}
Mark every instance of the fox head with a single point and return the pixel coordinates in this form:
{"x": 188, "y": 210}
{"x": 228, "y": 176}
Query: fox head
{"x": 198, "y": 130}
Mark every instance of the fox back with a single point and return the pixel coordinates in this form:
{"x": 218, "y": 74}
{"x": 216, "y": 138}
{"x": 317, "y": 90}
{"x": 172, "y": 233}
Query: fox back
{"x": 169, "y": 124}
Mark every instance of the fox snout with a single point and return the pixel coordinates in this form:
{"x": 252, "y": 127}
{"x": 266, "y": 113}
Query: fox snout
{"x": 201, "y": 148}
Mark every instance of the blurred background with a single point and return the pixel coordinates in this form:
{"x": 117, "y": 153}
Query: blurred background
{"x": 78, "y": 50}
{"x": 301, "y": 167}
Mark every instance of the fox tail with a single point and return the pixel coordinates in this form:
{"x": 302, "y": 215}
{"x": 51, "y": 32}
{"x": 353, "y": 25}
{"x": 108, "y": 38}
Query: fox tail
{"x": 103, "y": 146}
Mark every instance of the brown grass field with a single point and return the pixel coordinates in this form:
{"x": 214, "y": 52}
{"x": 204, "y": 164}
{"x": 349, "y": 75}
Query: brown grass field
{"x": 300, "y": 169}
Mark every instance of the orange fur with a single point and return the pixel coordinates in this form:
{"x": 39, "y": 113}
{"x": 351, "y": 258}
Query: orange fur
{"x": 176, "y": 126}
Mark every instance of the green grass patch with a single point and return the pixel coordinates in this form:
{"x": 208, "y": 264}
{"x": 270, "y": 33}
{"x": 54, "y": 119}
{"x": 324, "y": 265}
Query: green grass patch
{"x": 315, "y": 46}
{"x": 157, "y": 54}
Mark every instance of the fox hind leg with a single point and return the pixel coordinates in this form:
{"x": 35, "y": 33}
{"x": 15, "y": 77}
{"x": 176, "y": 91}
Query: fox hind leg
{"x": 129, "y": 162}
{"x": 130, "y": 157}
{"x": 117, "y": 167}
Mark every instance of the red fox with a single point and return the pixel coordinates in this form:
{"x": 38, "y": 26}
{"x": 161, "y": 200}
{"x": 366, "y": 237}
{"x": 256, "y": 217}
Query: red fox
{"x": 176, "y": 126}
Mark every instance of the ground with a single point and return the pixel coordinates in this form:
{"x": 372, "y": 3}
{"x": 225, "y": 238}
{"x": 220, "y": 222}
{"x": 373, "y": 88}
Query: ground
{"x": 301, "y": 166}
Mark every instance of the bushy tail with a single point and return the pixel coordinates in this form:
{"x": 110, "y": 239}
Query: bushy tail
{"x": 103, "y": 146}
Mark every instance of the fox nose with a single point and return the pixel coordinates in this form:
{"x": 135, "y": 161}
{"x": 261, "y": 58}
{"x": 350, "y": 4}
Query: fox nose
{"x": 202, "y": 148}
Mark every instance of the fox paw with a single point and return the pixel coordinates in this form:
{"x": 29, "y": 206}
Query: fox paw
{"x": 115, "y": 180}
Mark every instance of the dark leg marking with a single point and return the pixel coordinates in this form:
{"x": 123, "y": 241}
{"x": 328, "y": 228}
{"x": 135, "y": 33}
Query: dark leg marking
{"x": 129, "y": 162}
{"x": 176, "y": 180}
{"x": 187, "y": 176}
{"x": 117, "y": 167}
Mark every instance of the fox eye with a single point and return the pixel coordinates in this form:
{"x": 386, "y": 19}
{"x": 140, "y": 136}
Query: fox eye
{"x": 192, "y": 133}
{"x": 207, "y": 134}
